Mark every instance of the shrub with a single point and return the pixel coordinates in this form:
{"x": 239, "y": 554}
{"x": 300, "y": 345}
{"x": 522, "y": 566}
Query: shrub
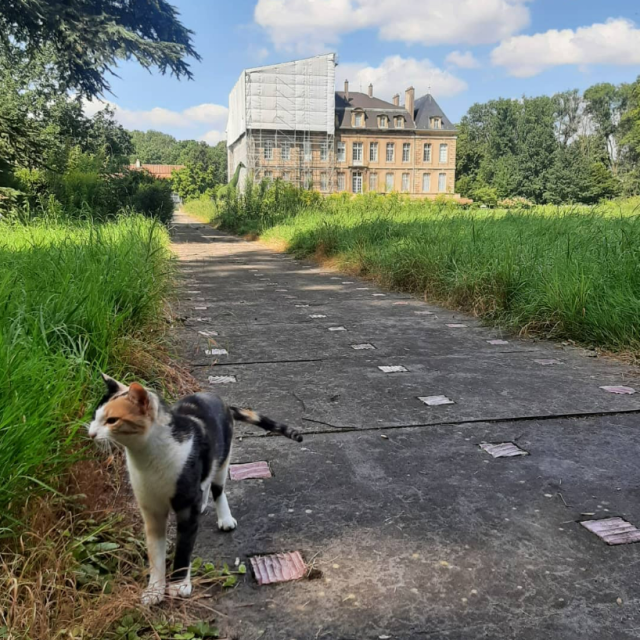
{"x": 515, "y": 203}
{"x": 32, "y": 182}
{"x": 83, "y": 193}
{"x": 154, "y": 200}
{"x": 486, "y": 195}
{"x": 443, "y": 200}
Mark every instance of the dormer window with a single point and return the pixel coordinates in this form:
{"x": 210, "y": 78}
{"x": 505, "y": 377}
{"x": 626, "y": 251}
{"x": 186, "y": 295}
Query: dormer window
{"x": 358, "y": 119}
{"x": 399, "y": 123}
{"x": 383, "y": 122}
{"x": 436, "y": 123}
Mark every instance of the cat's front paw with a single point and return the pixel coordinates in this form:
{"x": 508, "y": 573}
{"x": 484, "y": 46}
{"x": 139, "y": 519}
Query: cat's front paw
{"x": 227, "y": 524}
{"x": 153, "y": 595}
{"x": 179, "y": 589}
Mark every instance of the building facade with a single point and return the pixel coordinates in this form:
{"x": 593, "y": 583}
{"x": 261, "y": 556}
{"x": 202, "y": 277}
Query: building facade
{"x": 287, "y": 122}
{"x": 384, "y": 147}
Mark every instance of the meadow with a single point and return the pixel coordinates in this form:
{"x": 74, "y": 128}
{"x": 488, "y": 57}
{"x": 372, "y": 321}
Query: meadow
{"x": 74, "y": 296}
{"x": 566, "y": 272}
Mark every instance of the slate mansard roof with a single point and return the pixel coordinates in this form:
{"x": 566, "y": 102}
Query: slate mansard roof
{"x": 425, "y": 108}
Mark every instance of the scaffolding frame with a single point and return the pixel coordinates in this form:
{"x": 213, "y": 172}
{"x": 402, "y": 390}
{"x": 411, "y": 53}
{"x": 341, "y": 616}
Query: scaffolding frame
{"x": 290, "y": 147}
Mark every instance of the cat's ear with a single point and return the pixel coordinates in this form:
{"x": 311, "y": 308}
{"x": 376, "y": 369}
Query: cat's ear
{"x": 138, "y": 395}
{"x": 113, "y": 386}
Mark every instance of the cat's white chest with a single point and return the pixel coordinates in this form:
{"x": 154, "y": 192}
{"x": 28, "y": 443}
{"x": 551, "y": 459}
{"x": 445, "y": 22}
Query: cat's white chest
{"x": 154, "y": 473}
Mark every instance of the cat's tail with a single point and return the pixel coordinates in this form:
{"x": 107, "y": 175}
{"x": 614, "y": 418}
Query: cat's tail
{"x": 246, "y": 415}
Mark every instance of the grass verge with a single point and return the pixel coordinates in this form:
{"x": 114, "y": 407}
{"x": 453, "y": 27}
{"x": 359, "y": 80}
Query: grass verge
{"x": 562, "y": 272}
{"x": 75, "y": 298}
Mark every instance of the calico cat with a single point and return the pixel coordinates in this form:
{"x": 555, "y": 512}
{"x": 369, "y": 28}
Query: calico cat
{"x": 175, "y": 457}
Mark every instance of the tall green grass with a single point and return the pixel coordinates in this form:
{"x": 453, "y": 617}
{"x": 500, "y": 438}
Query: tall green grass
{"x": 565, "y": 272}
{"x": 203, "y": 208}
{"x": 70, "y": 293}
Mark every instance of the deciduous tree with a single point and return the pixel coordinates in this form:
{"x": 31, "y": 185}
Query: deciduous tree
{"x": 80, "y": 43}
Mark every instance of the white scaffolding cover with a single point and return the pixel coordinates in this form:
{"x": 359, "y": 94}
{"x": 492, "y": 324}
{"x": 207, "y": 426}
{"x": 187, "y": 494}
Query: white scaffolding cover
{"x": 292, "y": 96}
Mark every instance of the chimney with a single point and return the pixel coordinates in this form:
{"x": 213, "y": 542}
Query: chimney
{"x": 371, "y": 90}
{"x": 346, "y": 90}
{"x": 396, "y": 99}
{"x": 410, "y": 100}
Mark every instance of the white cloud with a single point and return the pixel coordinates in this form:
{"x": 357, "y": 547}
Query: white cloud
{"x": 616, "y": 42}
{"x": 207, "y": 113}
{"x": 159, "y": 117}
{"x": 91, "y": 107}
{"x": 212, "y": 137}
{"x": 395, "y": 74}
{"x": 315, "y": 25}
{"x": 464, "y": 60}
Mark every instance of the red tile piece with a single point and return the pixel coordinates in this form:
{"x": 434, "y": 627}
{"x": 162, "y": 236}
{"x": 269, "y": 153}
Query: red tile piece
{"x": 249, "y": 471}
{"x": 278, "y": 567}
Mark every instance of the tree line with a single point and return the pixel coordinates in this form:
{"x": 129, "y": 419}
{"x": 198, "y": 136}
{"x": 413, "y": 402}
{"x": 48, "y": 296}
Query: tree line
{"x": 205, "y": 166}
{"x": 570, "y": 147}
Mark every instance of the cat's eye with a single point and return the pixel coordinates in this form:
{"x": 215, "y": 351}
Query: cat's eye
{"x": 111, "y": 420}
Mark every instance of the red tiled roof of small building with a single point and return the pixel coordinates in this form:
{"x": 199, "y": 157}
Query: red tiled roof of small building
{"x": 162, "y": 171}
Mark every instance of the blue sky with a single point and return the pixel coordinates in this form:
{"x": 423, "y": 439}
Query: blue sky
{"x": 466, "y": 50}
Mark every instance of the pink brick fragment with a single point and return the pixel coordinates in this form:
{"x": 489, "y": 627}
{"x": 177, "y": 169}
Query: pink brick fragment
{"x": 278, "y": 567}
{"x": 613, "y": 530}
{"x": 624, "y": 391}
{"x": 249, "y": 471}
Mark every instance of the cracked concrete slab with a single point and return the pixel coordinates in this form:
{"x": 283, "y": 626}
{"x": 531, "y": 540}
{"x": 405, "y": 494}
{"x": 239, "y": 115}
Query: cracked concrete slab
{"x": 352, "y": 392}
{"x": 419, "y": 533}
{"x": 453, "y": 544}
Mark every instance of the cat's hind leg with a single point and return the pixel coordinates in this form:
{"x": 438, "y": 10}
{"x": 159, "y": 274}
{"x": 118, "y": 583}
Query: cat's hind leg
{"x": 156, "y": 535}
{"x": 180, "y": 585}
{"x": 206, "y": 490}
{"x": 226, "y": 522}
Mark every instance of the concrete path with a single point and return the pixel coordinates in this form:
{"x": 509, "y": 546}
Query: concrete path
{"x": 412, "y": 529}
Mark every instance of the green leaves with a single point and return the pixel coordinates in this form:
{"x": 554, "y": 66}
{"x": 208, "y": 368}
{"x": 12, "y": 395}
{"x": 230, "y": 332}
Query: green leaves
{"x": 231, "y": 581}
{"x": 203, "y": 630}
{"x": 128, "y": 628}
{"x": 202, "y": 174}
{"x": 224, "y": 576}
{"x": 552, "y": 149}
{"x": 99, "y": 33}
{"x": 133, "y": 627}
{"x": 38, "y": 72}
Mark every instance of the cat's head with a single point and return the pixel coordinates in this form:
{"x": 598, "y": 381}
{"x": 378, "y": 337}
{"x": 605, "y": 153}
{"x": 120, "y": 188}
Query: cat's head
{"x": 125, "y": 415}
